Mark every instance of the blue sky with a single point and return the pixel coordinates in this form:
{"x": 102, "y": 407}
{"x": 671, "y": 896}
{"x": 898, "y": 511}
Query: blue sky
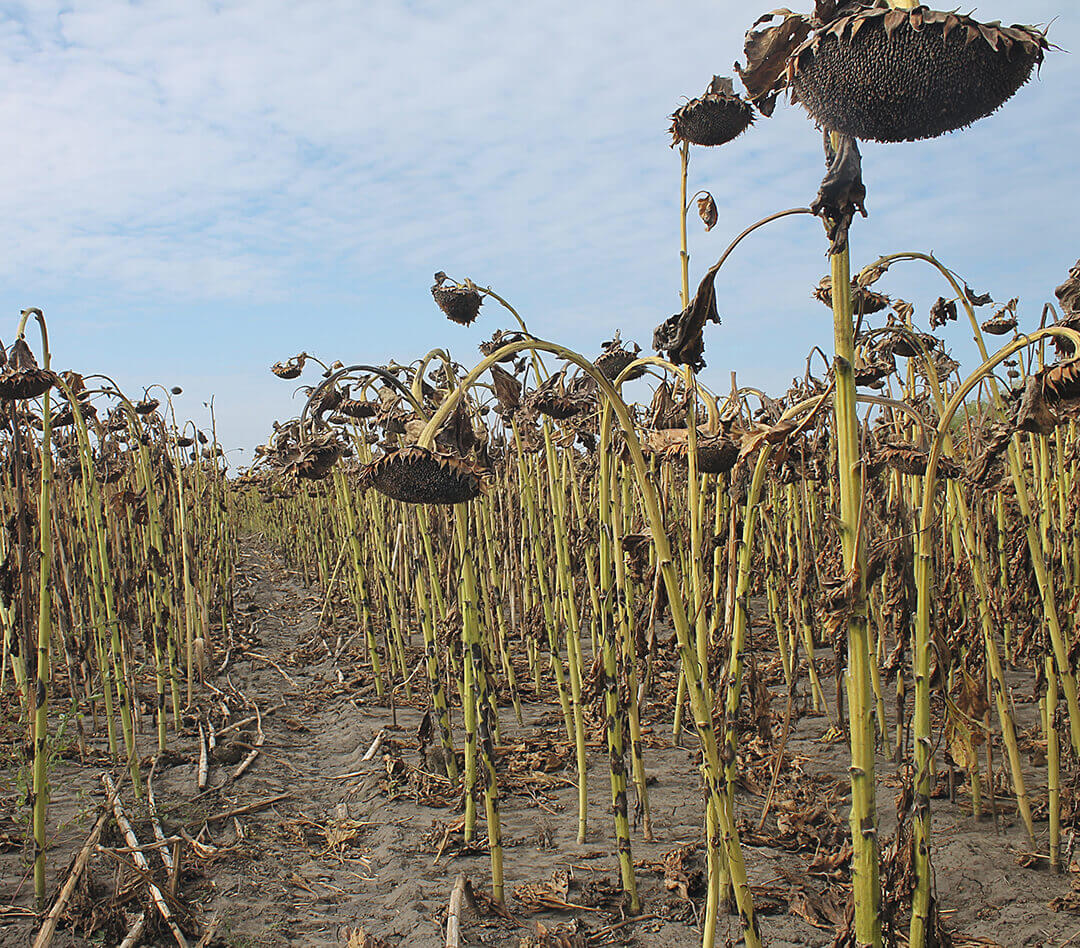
{"x": 192, "y": 191}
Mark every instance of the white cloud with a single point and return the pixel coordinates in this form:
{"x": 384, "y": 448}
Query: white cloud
{"x": 192, "y": 161}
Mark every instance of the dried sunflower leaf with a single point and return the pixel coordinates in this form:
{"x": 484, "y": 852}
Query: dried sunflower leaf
{"x": 976, "y": 299}
{"x": 767, "y": 54}
{"x": 680, "y": 336}
{"x": 842, "y": 191}
{"x": 706, "y": 207}
{"x": 507, "y": 390}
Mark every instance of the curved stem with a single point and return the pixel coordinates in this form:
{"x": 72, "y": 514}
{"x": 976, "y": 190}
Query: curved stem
{"x": 923, "y": 583}
{"x": 715, "y": 268}
{"x": 1023, "y": 499}
{"x": 710, "y": 398}
{"x": 418, "y": 378}
{"x": 613, "y": 403}
{"x": 387, "y": 377}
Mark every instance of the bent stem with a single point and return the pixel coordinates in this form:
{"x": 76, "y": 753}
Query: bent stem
{"x": 614, "y": 404}
{"x": 920, "y": 910}
{"x": 1023, "y": 500}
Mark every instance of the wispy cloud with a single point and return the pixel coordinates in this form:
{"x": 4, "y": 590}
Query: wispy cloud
{"x": 222, "y": 183}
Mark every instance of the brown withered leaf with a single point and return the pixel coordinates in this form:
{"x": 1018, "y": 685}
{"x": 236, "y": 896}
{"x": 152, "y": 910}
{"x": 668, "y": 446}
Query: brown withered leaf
{"x": 507, "y": 390}
{"x": 683, "y": 872}
{"x": 868, "y": 276}
{"x": 822, "y": 911}
{"x": 831, "y": 863}
{"x": 1033, "y": 414}
{"x": 681, "y": 336}
{"x": 571, "y": 934}
{"x": 1068, "y": 293}
{"x": 1061, "y": 381}
{"x": 942, "y": 312}
{"x": 769, "y": 434}
{"x": 457, "y": 435}
{"x": 972, "y": 700}
{"x": 635, "y": 548}
{"x": 825, "y": 11}
{"x": 665, "y": 411}
{"x": 358, "y": 938}
{"x": 1069, "y": 902}
{"x": 540, "y": 896}
{"x": 706, "y": 208}
{"x": 976, "y": 299}
{"x": 842, "y": 191}
{"x": 985, "y": 465}
{"x": 767, "y": 53}
{"x": 960, "y": 744}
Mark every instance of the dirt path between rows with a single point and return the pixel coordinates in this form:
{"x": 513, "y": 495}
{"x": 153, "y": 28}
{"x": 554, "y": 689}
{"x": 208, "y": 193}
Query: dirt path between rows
{"x": 375, "y": 846}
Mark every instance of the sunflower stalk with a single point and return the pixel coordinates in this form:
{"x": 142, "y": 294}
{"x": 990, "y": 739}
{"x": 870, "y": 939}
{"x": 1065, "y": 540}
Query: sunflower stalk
{"x": 863, "y": 816}
{"x": 44, "y": 627}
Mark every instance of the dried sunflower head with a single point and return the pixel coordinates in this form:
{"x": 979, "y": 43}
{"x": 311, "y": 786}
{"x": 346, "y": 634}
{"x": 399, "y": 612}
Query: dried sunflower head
{"x": 116, "y": 419}
{"x": 329, "y": 399}
{"x": 64, "y": 418}
{"x": 874, "y": 368}
{"x": 499, "y": 339}
{"x": 21, "y": 377}
{"x": 1068, "y": 293}
{"x": 714, "y": 118}
{"x": 1063, "y": 346}
{"x": 902, "y": 344}
{"x": 864, "y": 300}
{"x": 715, "y": 454}
{"x": 1002, "y": 322}
{"x": 558, "y": 400}
{"x": 911, "y": 459}
{"x": 316, "y": 460}
{"x": 1061, "y": 381}
{"x": 110, "y": 469}
{"x": 460, "y": 302}
{"x": 890, "y": 75}
{"x": 290, "y": 369}
{"x": 358, "y": 408}
{"x": 415, "y": 475}
{"x": 616, "y": 357}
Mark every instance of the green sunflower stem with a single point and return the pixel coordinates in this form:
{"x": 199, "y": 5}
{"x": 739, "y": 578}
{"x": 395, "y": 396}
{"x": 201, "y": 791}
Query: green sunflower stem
{"x": 863, "y": 817}
{"x": 922, "y": 737}
{"x": 614, "y": 404}
{"x": 41, "y": 695}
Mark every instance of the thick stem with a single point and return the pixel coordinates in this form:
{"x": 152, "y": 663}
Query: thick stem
{"x": 863, "y": 818}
